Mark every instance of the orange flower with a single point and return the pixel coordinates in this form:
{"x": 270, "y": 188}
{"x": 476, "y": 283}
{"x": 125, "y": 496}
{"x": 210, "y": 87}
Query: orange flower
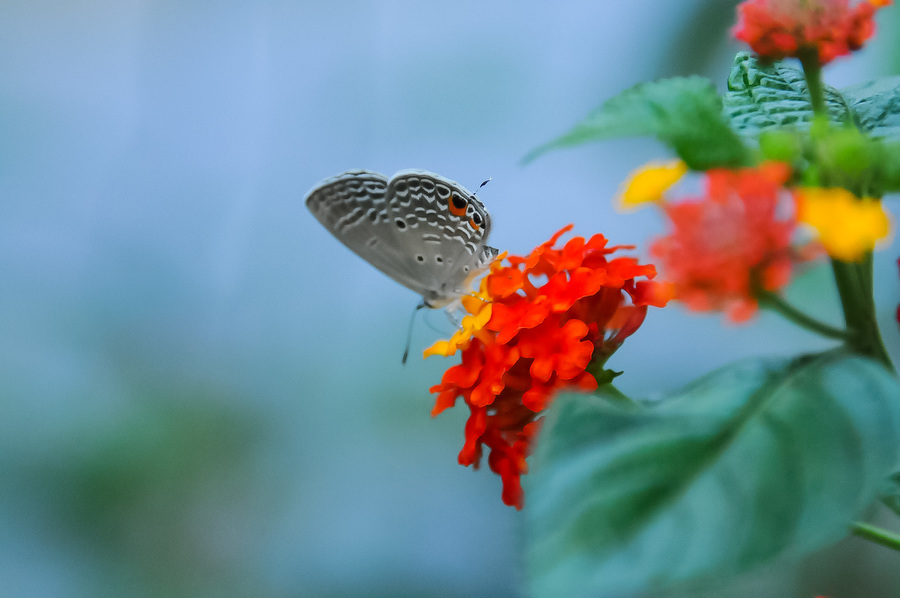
{"x": 552, "y": 314}
{"x": 731, "y": 242}
{"x": 777, "y": 29}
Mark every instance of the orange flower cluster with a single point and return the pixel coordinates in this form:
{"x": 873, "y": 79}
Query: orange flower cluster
{"x": 736, "y": 239}
{"x": 533, "y": 330}
{"x": 777, "y": 29}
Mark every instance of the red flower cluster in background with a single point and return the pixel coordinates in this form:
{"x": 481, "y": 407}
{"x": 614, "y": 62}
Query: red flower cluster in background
{"x": 533, "y": 330}
{"x": 732, "y": 241}
{"x": 777, "y": 29}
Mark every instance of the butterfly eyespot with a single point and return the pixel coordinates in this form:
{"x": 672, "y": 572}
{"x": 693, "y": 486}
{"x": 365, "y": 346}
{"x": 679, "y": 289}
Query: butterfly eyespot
{"x": 457, "y": 205}
{"x": 439, "y": 259}
{"x": 401, "y": 187}
{"x": 476, "y": 218}
{"x": 428, "y": 186}
{"x": 420, "y": 258}
{"x": 401, "y": 224}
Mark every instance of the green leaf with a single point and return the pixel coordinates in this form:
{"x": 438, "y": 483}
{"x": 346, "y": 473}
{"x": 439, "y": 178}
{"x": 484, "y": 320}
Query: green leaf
{"x": 758, "y": 460}
{"x": 683, "y": 112}
{"x": 876, "y": 106}
{"x": 773, "y": 96}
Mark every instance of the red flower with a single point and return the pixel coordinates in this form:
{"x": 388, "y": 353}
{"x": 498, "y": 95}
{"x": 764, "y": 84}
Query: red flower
{"x": 777, "y": 29}
{"x": 538, "y": 340}
{"x": 736, "y": 239}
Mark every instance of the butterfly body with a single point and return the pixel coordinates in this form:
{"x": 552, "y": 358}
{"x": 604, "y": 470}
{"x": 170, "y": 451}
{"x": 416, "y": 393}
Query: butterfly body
{"x": 423, "y": 230}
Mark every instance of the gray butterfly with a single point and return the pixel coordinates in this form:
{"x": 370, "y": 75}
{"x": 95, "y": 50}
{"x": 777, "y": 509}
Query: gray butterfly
{"x": 426, "y": 232}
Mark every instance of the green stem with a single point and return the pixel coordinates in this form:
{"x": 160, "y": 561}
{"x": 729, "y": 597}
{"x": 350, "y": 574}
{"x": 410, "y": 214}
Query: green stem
{"x": 854, "y": 284}
{"x": 812, "y": 70}
{"x": 877, "y": 535}
{"x": 853, "y": 280}
{"x": 776, "y": 303}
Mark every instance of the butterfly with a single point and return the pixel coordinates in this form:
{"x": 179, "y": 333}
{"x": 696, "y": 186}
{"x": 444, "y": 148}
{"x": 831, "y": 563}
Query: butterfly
{"x": 425, "y": 231}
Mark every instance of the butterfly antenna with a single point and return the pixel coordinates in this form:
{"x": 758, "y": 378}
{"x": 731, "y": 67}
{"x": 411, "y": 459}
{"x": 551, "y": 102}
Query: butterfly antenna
{"x": 489, "y": 179}
{"x": 412, "y": 321}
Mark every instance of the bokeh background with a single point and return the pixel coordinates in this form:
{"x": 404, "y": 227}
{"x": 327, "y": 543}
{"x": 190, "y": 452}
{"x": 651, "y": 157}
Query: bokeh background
{"x": 201, "y": 391}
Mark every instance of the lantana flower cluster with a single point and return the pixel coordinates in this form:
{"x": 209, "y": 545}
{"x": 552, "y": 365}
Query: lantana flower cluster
{"x": 742, "y": 237}
{"x": 731, "y": 241}
{"x": 539, "y": 324}
{"x": 777, "y": 29}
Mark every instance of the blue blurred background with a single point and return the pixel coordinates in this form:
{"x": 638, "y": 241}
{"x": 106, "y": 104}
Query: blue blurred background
{"x": 200, "y": 390}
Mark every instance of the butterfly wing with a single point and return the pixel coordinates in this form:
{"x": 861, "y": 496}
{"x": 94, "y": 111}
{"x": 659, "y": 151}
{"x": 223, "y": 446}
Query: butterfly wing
{"x": 426, "y": 232}
{"x": 352, "y": 207}
{"x": 448, "y": 230}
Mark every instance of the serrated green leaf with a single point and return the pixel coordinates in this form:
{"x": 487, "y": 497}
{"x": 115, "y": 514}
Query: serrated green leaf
{"x": 758, "y": 460}
{"x": 683, "y": 112}
{"x": 876, "y": 106}
{"x": 769, "y": 96}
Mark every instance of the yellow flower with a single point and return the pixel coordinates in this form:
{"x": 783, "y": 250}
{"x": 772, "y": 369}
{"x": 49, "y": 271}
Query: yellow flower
{"x": 478, "y": 304}
{"x": 479, "y": 313}
{"x": 649, "y": 182}
{"x": 848, "y": 226}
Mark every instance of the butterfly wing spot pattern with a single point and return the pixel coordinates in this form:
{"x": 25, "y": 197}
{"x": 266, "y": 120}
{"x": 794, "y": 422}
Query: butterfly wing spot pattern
{"x": 425, "y": 231}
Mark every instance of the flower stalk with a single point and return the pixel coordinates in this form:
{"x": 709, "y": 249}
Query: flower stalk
{"x": 853, "y": 279}
{"x": 776, "y": 303}
{"x": 812, "y": 71}
{"x": 854, "y": 284}
{"x": 877, "y": 535}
